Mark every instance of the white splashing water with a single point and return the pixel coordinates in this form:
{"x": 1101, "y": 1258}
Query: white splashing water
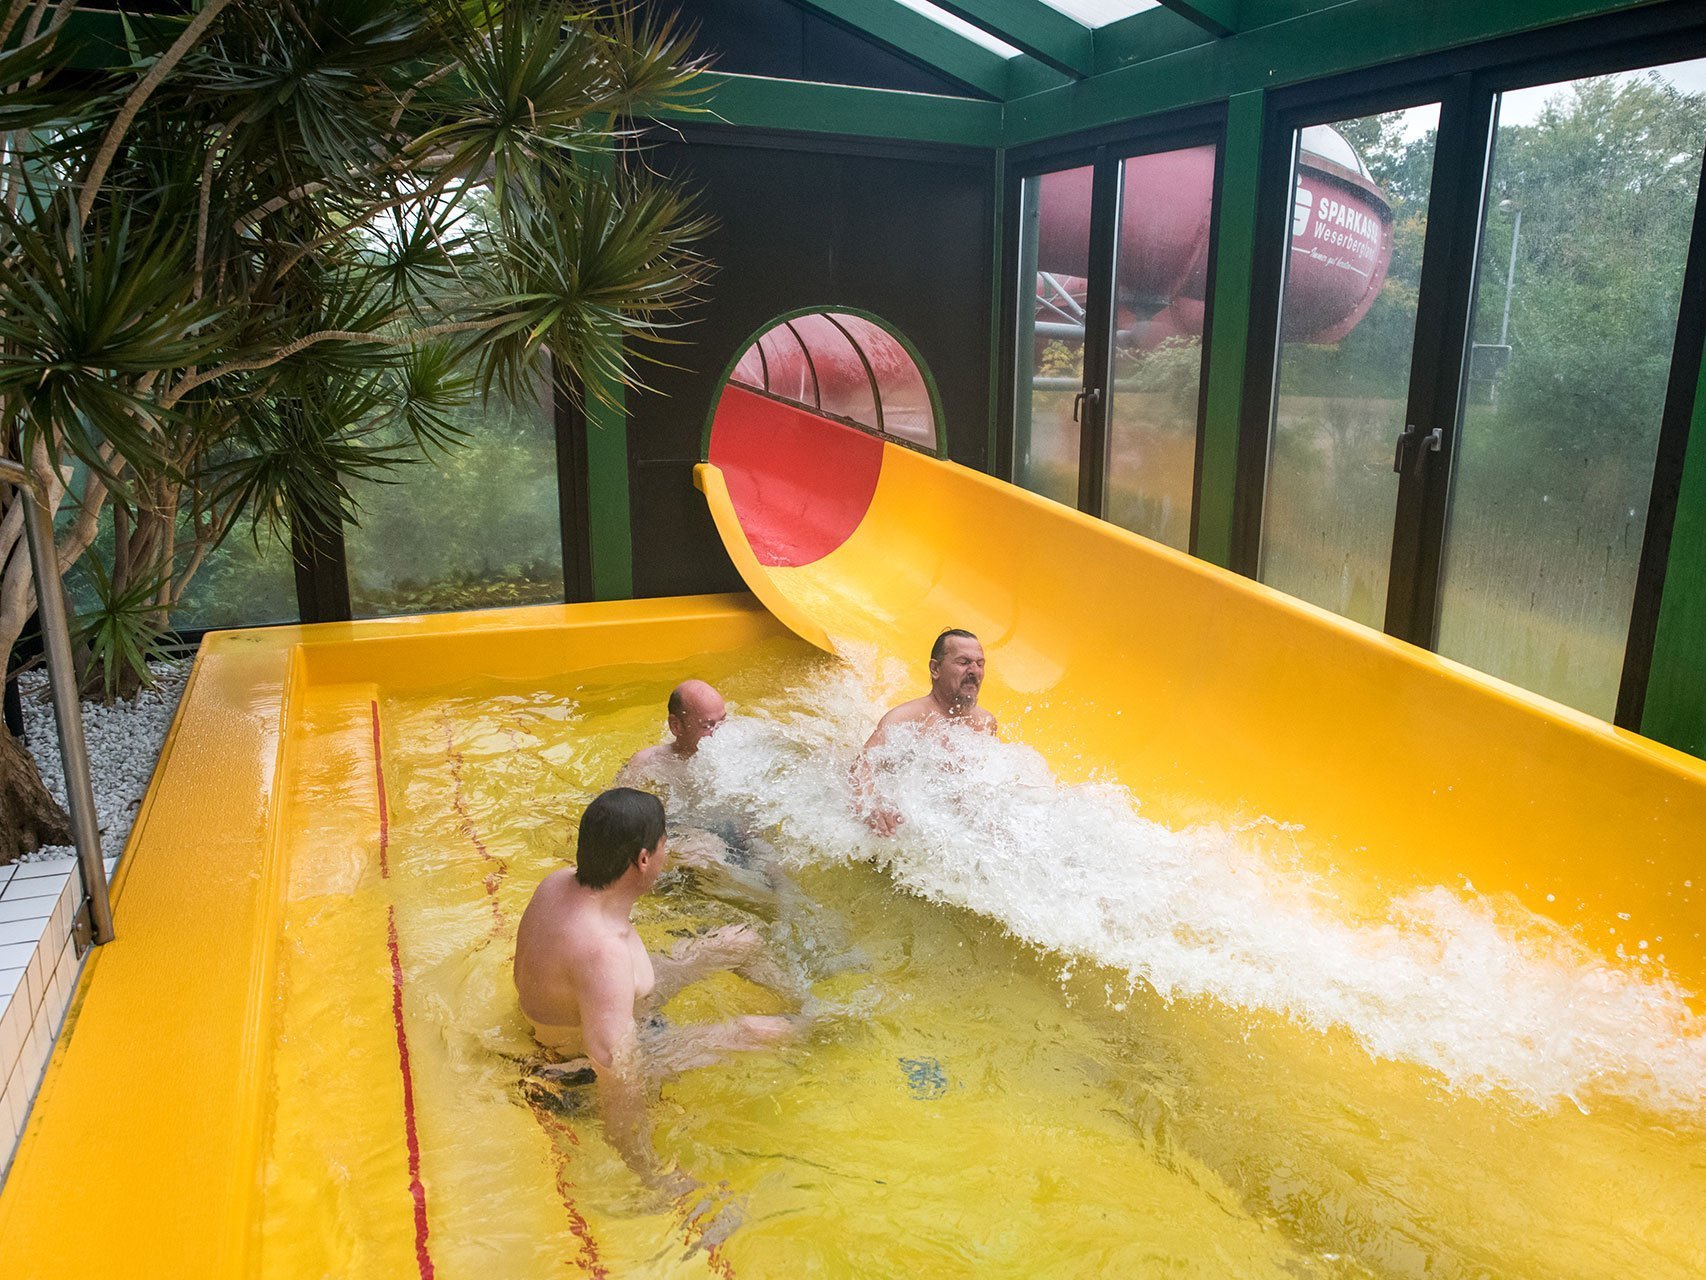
{"x": 1485, "y": 993}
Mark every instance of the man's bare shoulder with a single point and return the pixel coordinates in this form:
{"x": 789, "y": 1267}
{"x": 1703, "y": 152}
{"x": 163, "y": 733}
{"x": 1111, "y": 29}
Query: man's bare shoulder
{"x": 982, "y": 721}
{"x": 908, "y": 713}
{"x": 642, "y": 765}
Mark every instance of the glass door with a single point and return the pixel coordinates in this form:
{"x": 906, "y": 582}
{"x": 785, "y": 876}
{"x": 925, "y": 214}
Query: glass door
{"x": 1358, "y": 221}
{"x": 1473, "y": 327}
{"x": 1111, "y": 308}
{"x": 1584, "y": 239}
{"x": 1160, "y": 270}
{"x": 1053, "y": 308}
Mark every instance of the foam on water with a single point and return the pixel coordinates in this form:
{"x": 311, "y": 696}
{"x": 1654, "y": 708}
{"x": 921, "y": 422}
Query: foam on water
{"x": 1487, "y": 994}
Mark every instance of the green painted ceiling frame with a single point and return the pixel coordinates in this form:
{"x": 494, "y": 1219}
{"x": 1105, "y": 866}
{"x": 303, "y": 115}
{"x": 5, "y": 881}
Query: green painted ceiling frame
{"x": 1675, "y": 709}
{"x": 920, "y": 38}
{"x": 1217, "y": 17}
{"x": 1347, "y": 37}
{"x": 939, "y": 418}
{"x": 765, "y": 103}
{"x": 1034, "y": 27}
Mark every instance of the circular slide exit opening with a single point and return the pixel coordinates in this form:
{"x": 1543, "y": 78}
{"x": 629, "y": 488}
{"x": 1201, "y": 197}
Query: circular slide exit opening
{"x": 801, "y": 423}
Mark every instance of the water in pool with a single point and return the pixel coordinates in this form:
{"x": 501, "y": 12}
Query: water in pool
{"x": 1064, "y": 1041}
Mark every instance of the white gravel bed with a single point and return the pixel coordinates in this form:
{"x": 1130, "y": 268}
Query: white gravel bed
{"x": 124, "y": 742}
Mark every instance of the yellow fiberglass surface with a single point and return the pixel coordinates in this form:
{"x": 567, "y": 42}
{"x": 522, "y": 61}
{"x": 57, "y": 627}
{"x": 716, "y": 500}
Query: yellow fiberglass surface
{"x": 146, "y": 1152}
{"x": 1214, "y": 698}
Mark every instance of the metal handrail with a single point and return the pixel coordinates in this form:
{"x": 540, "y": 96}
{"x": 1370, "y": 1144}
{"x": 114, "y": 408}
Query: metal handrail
{"x": 67, "y": 707}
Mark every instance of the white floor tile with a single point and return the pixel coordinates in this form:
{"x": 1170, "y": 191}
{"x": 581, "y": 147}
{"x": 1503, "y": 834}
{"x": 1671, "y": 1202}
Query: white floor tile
{"x": 15, "y": 931}
{"x": 15, "y": 955}
{"x": 28, "y": 908}
{"x": 32, "y": 870}
{"x": 33, "y": 887}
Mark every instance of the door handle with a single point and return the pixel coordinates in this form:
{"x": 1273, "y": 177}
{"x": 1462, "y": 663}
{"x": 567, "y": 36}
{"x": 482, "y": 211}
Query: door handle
{"x": 1433, "y": 442}
{"x": 1090, "y": 395}
{"x": 1404, "y": 438}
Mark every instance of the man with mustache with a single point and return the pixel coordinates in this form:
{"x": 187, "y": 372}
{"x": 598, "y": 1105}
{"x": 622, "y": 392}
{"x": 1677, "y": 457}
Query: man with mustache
{"x": 956, "y": 677}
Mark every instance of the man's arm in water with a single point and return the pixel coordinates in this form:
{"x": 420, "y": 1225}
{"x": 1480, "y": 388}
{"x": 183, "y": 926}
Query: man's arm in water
{"x": 878, "y": 816}
{"x": 605, "y": 990}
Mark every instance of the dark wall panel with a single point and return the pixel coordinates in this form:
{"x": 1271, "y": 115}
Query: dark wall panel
{"x": 902, "y": 232}
{"x": 776, "y": 38}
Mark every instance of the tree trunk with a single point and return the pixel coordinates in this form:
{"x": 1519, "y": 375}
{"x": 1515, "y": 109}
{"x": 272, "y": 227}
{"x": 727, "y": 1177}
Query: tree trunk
{"x": 29, "y": 816}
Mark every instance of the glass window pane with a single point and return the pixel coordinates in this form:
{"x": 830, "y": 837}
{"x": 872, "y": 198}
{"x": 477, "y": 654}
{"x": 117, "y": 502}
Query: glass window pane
{"x": 1592, "y": 194}
{"x": 1347, "y": 325}
{"x": 788, "y": 371}
{"x": 842, "y": 380}
{"x": 907, "y": 411}
{"x": 749, "y": 369}
{"x": 475, "y": 527}
{"x": 240, "y": 583}
{"x": 1160, "y": 281}
{"x": 1054, "y": 263}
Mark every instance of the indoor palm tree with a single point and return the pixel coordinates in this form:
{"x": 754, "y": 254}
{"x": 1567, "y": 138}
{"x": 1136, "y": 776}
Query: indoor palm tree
{"x": 264, "y": 241}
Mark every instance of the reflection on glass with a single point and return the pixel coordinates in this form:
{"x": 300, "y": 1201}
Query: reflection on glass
{"x": 1593, "y": 186}
{"x": 1160, "y": 282}
{"x": 1347, "y": 324}
{"x": 906, "y": 408}
{"x": 832, "y": 362}
{"x": 844, "y": 387}
{"x": 475, "y": 527}
{"x": 244, "y": 582}
{"x": 1054, "y": 262}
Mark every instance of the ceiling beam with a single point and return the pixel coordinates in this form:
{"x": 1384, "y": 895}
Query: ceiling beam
{"x": 920, "y": 39}
{"x": 1217, "y": 17}
{"x": 1033, "y": 27}
{"x": 760, "y": 102}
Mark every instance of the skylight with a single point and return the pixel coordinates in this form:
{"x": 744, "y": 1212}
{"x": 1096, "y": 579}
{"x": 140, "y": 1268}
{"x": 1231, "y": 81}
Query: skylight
{"x": 1098, "y": 13}
{"x": 961, "y": 27}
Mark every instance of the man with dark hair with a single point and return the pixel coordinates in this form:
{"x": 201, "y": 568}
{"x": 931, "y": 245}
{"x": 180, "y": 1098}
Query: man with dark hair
{"x": 956, "y": 677}
{"x": 583, "y": 975}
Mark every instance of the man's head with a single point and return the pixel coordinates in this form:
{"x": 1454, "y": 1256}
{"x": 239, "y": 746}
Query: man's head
{"x": 621, "y": 828}
{"x": 956, "y": 668}
{"x": 695, "y": 711}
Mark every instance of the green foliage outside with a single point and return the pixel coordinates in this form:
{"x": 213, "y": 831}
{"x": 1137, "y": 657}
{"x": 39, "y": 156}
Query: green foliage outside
{"x": 254, "y": 257}
{"x": 1555, "y": 457}
{"x": 469, "y": 528}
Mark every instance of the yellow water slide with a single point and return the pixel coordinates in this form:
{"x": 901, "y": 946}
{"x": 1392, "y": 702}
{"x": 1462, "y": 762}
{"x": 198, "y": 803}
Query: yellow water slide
{"x": 1212, "y": 697}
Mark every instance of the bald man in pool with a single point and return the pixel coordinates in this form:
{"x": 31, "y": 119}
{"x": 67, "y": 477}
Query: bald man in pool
{"x": 720, "y": 858}
{"x": 956, "y": 678}
{"x": 591, "y": 989}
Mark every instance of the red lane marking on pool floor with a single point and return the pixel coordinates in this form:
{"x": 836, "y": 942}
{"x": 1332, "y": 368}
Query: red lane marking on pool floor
{"x": 384, "y": 809}
{"x": 417, "y": 1191}
{"x": 465, "y": 822}
{"x": 578, "y": 1225}
{"x": 423, "y": 1259}
{"x": 589, "y": 1260}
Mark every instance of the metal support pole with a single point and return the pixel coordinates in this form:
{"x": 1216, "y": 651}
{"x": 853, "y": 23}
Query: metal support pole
{"x": 67, "y": 708}
{"x": 1510, "y": 274}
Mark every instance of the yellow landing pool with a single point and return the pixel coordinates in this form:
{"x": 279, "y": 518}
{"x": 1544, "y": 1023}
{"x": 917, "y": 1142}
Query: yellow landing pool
{"x": 302, "y": 1057}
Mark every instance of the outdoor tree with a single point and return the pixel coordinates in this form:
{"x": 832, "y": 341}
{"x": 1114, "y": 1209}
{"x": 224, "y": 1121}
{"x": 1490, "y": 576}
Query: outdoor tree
{"x": 270, "y": 249}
